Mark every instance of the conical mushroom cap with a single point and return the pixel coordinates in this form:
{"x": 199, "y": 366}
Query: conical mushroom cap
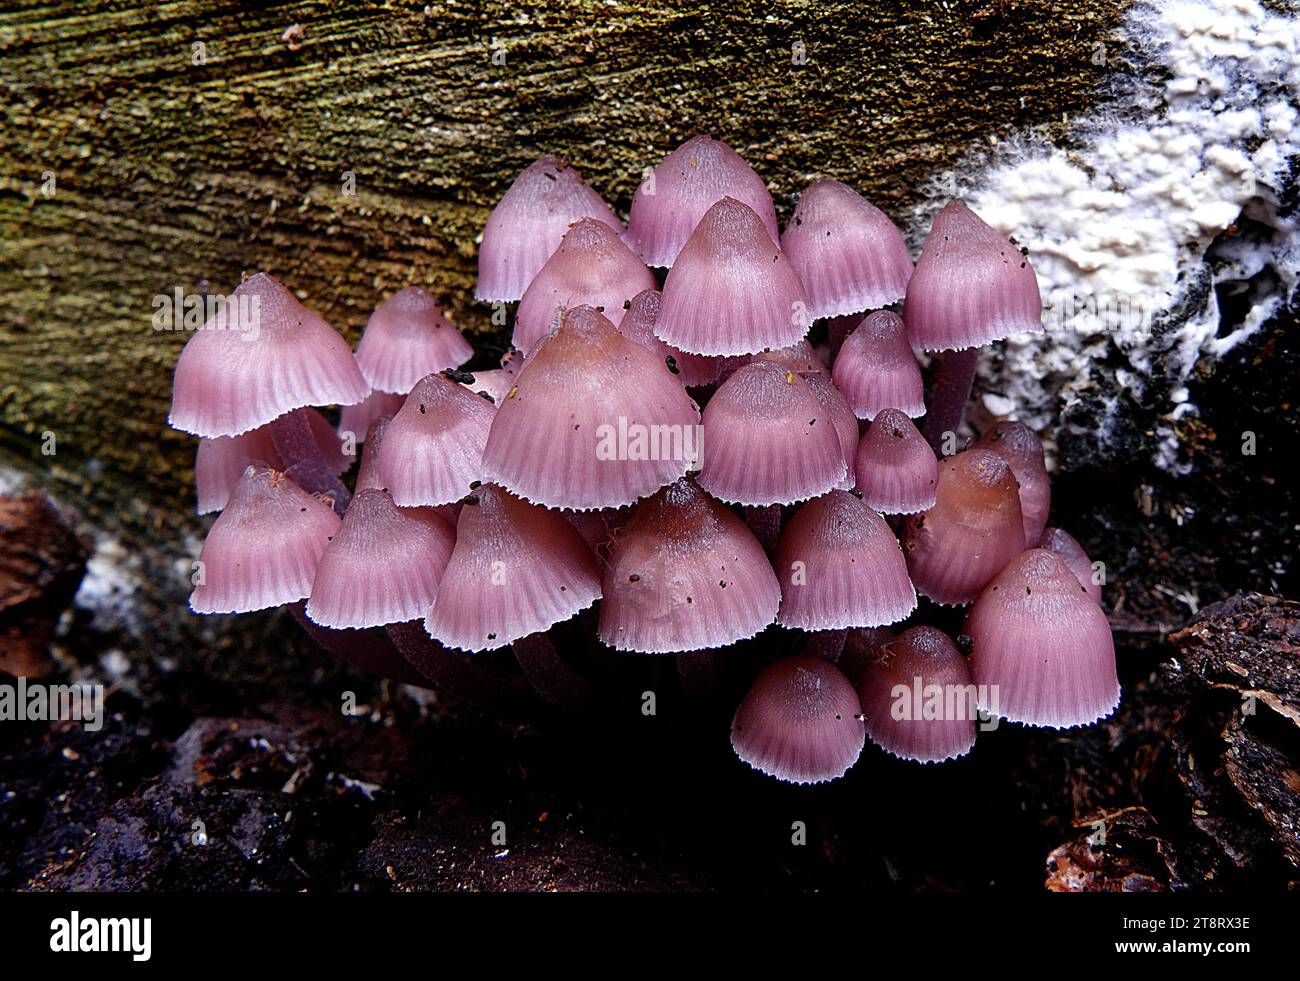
{"x": 840, "y": 566}
{"x": 432, "y": 452}
{"x": 768, "y": 440}
{"x": 800, "y": 722}
{"x": 971, "y": 533}
{"x": 594, "y": 421}
{"x": 591, "y": 267}
{"x": 897, "y": 472}
{"x": 697, "y": 175}
{"x": 262, "y": 355}
{"x": 406, "y": 338}
{"x": 516, "y": 569}
{"x": 876, "y": 369}
{"x": 971, "y": 286}
{"x": 685, "y": 574}
{"x": 382, "y": 566}
{"x": 1041, "y": 646}
{"x": 731, "y": 291}
{"x": 1023, "y": 450}
{"x": 527, "y": 224}
{"x": 935, "y": 720}
{"x": 263, "y": 549}
{"x": 847, "y": 253}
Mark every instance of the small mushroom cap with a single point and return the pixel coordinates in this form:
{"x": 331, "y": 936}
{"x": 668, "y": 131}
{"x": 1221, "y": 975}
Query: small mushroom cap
{"x": 368, "y": 475}
{"x": 918, "y": 697}
{"x": 638, "y": 324}
{"x": 357, "y": 419}
{"x": 669, "y": 204}
{"x": 263, "y": 549}
{"x": 262, "y": 355}
{"x": 972, "y": 532}
{"x": 768, "y": 440}
{"x": 406, "y": 338}
{"x": 897, "y": 472}
{"x": 685, "y": 574}
{"x": 841, "y": 417}
{"x": 1041, "y": 647}
{"x": 527, "y": 224}
{"x": 516, "y": 570}
{"x": 876, "y": 369}
{"x": 847, "y": 253}
{"x": 1076, "y": 559}
{"x": 971, "y": 286}
{"x": 730, "y": 290}
{"x": 801, "y": 722}
{"x": 432, "y": 452}
{"x": 840, "y": 566}
{"x": 1021, "y": 448}
{"x": 594, "y": 421}
{"x": 591, "y": 267}
{"x": 382, "y": 566}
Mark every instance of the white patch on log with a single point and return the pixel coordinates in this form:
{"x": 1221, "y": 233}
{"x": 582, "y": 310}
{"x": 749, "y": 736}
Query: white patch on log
{"x": 1117, "y": 226}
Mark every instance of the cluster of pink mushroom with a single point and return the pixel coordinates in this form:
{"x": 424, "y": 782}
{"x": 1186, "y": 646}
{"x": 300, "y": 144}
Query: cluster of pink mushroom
{"x": 670, "y": 462}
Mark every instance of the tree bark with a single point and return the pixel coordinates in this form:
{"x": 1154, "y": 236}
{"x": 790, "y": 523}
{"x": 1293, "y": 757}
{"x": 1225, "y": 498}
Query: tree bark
{"x": 149, "y": 148}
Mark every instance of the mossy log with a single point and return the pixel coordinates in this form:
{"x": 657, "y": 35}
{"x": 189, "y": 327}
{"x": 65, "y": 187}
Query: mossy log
{"x": 354, "y": 149}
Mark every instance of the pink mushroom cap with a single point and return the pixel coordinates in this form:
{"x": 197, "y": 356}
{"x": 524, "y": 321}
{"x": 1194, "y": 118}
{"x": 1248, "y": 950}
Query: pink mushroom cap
{"x": 801, "y": 722}
{"x": 241, "y": 371}
{"x": 971, "y": 286}
{"x": 1041, "y": 646}
{"x": 432, "y": 452}
{"x": 382, "y": 566}
{"x": 516, "y": 570}
{"x": 669, "y": 204}
{"x": 730, "y": 290}
{"x": 527, "y": 224}
{"x": 685, "y": 574}
{"x": 918, "y": 698}
{"x": 768, "y": 440}
{"x": 591, "y": 267}
{"x": 406, "y": 338}
{"x": 897, "y": 472}
{"x": 847, "y": 253}
{"x": 840, "y": 566}
{"x": 594, "y": 421}
{"x": 974, "y": 529}
{"x": 876, "y": 369}
{"x": 263, "y": 549}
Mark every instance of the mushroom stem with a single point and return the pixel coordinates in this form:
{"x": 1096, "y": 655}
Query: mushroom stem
{"x": 556, "y": 682}
{"x": 838, "y": 328}
{"x": 952, "y": 387}
{"x": 302, "y": 458}
{"x": 456, "y": 673}
{"x": 369, "y": 650}
{"x": 827, "y": 644}
{"x": 765, "y": 522}
{"x": 699, "y": 672}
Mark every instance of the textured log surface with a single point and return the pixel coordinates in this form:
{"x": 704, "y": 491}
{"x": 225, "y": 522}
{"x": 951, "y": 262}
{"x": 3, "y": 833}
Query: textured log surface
{"x": 189, "y": 142}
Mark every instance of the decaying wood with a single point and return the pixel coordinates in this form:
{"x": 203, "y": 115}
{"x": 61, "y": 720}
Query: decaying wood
{"x": 146, "y": 147}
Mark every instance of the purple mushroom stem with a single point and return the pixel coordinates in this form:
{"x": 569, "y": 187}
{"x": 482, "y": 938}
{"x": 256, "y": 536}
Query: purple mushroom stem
{"x": 952, "y": 386}
{"x": 838, "y": 328}
{"x": 827, "y": 644}
{"x": 456, "y": 673}
{"x": 369, "y": 650}
{"x": 303, "y": 462}
{"x": 765, "y": 522}
{"x": 553, "y": 680}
